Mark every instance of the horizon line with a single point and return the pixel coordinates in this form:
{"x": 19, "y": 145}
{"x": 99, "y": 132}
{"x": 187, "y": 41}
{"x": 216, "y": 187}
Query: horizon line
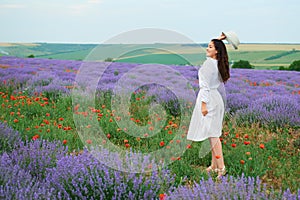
{"x": 95, "y": 43}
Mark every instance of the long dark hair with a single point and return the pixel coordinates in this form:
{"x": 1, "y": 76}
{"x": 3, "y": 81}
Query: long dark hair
{"x": 222, "y": 58}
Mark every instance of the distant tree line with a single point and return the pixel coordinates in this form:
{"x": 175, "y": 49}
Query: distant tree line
{"x": 282, "y": 54}
{"x": 244, "y": 64}
{"x": 295, "y": 66}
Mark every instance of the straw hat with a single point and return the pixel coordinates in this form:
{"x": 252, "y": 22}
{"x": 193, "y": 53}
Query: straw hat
{"x": 232, "y": 38}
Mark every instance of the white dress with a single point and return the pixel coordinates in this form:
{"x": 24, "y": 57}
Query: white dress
{"x": 203, "y": 127}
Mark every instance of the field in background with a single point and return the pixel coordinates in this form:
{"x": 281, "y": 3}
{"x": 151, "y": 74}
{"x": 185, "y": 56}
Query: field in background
{"x": 262, "y": 56}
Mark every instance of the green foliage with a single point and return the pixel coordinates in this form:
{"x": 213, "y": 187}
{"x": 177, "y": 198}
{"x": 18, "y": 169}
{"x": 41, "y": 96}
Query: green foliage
{"x": 109, "y": 60}
{"x": 297, "y": 143}
{"x": 30, "y": 56}
{"x": 281, "y": 54}
{"x": 295, "y": 66}
{"x": 282, "y": 68}
{"x": 55, "y": 121}
{"x": 167, "y": 59}
{"x": 116, "y": 72}
{"x": 244, "y": 64}
{"x": 140, "y": 53}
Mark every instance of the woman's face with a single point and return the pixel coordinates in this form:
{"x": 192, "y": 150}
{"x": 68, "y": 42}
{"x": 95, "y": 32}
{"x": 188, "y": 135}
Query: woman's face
{"x": 211, "y": 50}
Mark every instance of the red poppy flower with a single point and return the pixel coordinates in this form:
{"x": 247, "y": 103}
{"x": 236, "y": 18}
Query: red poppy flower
{"x": 174, "y": 125}
{"x": 35, "y": 137}
{"x": 162, "y": 143}
{"x": 162, "y": 196}
{"x": 89, "y": 141}
{"x": 13, "y": 98}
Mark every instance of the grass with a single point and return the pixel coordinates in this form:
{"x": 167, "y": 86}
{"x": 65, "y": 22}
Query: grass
{"x": 167, "y": 59}
{"x": 260, "y": 151}
{"x": 79, "y": 55}
{"x": 176, "y": 54}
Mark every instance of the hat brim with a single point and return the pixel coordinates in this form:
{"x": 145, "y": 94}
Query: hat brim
{"x": 232, "y": 39}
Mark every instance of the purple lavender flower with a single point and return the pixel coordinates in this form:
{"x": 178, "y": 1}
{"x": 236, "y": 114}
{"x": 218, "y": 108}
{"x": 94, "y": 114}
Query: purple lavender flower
{"x": 37, "y": 156}
{"x": 18, "y": 183}
{"x": 9, "y": 138}
{"x": 245, "y": 87}
{"x": 229, "y": 188}
{"x": 85, "y": 177}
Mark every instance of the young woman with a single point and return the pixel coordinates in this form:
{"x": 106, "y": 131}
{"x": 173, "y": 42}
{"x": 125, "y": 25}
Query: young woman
{"x": 207, "y": 118}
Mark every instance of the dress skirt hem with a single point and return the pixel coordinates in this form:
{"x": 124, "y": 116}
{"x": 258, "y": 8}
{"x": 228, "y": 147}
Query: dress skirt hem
{"x": 203, "y": 127}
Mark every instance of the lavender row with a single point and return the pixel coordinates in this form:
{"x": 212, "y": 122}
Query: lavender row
{"x": 249, "y": 92}
{"x": 230, "y": 188}
{"x": 43, "y": 170}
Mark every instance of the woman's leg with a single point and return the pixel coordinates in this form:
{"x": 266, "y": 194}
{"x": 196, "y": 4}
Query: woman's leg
{"x": 217, "y": 154}
{"x": 213, "y": 164}
{"x": 213, "y": 160}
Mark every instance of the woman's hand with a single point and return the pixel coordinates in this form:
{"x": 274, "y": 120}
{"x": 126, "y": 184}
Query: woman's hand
{"x": 222, "y": 36}
{"x": 204, "y": 109}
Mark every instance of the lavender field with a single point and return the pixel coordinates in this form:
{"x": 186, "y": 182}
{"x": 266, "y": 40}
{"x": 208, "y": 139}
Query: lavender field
{"x": 269, "y": 97}
{"x": 51, "y": 109}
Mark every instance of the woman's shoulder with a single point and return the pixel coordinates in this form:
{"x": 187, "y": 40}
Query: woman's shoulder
{"x": 210, "y": 61}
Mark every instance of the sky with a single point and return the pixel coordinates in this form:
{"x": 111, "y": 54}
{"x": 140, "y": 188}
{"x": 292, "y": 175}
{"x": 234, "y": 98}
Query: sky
{"x": 98, "y": 21}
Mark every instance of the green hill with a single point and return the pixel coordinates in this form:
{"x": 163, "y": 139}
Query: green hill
{"x": 262, "y": 56}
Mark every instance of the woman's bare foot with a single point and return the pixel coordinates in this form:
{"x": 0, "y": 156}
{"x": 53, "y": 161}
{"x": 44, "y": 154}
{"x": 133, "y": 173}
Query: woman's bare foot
{"x": 211, "y": 169}
{"x": 221, "y": 172}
